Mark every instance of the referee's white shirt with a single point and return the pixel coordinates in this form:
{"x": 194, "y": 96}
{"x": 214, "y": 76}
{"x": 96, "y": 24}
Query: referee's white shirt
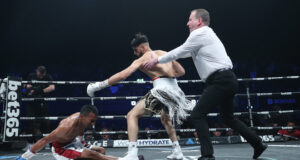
{"x": 206, "y": 49}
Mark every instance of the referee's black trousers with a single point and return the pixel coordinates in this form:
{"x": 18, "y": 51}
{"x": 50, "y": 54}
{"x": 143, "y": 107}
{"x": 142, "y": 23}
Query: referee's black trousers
{"x": 220, "y": 88}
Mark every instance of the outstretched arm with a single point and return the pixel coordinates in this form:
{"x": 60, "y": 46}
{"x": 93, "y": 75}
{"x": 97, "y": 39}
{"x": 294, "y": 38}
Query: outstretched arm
{"x": 39, "y": 145}
{"x": 120, "y": 76}
{"x": 114, "y": 79}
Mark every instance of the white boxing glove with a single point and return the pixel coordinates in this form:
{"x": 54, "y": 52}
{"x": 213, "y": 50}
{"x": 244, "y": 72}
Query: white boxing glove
{"x": 93, "y": 87}
{"x": 28, "y": 155}
{"x": 81, "y": 143}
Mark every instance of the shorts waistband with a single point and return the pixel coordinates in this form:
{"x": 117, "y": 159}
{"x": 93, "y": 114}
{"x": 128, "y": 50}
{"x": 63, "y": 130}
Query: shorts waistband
{"x": 165, "y": 82}
{"x": 155, "y": 78}
{"x": 59, "y": 145}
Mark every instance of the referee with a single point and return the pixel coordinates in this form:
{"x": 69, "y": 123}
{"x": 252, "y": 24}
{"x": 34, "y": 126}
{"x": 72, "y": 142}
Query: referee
{"x": 215, "y": 69}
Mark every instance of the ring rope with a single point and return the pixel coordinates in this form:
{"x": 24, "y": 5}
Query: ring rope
{"x": 179, "y": 81}
{"x": 177, "y": 130}
{"x": 143, "y": 82}
{"x": 158, "y": 116}
{"x": 138, "y": 97}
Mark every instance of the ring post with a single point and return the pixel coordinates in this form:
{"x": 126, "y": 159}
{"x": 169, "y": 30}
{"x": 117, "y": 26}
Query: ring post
{"x": 3, "y": 101}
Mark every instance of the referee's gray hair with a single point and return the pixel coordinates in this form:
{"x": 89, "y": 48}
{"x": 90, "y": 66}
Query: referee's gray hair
{"x": 203, "y": 14}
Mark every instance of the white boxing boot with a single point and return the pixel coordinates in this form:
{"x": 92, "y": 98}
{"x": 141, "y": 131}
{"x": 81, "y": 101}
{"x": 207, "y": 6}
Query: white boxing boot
{"x": 132, "y": 153}
{"x": 176, "y": 152}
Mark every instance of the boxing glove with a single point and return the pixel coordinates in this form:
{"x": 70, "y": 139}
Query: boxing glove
{"x": 97, "y": 86}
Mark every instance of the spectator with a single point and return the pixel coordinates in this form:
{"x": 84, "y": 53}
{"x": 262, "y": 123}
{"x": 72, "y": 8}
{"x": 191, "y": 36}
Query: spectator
{"x": 195, "y": 134}
{"x": 122, "y": 136}
{"x": 89, "y": 137}
{"x": 147, "y": 135}
{"x": 290, "y": 134}
{"x": 278, "y": 119}
{"x": 105, "y": 136}
{"x": 38, "y": 108}
{"x": 230, "y": 133}
{"x": 217, "y": 133}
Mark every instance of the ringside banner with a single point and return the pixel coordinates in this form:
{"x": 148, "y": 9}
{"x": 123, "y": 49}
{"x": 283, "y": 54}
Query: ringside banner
{"x": 182, "y": 141}
{"x": 144, "y": 142}
{"x": 12, "y": 109}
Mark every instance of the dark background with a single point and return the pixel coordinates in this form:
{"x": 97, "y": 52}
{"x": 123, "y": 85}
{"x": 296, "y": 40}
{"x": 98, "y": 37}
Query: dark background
{"x": 96, "y": 34}
{"x": 89, "y": 39}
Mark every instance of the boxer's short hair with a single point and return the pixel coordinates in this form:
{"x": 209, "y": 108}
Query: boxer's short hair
{"x": 138, "y": 39}
{"x": 86, "y": 109}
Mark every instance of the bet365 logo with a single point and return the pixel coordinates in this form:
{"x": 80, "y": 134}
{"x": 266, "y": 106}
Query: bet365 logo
{"x": 13, "y": 109}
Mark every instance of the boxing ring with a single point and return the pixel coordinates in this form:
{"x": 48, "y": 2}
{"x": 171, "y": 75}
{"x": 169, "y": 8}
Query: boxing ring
{"x": 230, "y": 147}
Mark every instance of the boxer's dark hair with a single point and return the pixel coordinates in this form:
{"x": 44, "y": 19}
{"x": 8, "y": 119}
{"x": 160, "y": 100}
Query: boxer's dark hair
{"x": 138, "y": 39}
{"x": 86, "y": 109}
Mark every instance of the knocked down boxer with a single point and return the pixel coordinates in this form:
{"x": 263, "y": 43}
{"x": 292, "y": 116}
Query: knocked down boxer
{"x": 67, "y": 139}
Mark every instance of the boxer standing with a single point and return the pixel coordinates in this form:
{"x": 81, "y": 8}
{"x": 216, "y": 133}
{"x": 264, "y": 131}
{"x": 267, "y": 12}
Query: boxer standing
{"x": 165, "y": 98}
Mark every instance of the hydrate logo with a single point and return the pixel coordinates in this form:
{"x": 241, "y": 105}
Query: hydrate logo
{"x": 155, "y": 142}
{"x": 144, "y": 142}
{"x": 12, "y": 109}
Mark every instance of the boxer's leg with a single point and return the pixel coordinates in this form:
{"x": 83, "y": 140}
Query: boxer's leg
{"x": 167, "y": 123}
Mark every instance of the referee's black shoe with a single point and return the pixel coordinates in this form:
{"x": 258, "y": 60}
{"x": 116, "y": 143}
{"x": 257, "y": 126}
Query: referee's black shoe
{"x": 141, "y": 157}
{"x": 207, "y": 158}
{"x": 259, "y": 150}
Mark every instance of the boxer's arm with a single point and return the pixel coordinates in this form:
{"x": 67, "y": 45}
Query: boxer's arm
{"x": 120, "y": 76}
{"x": 114, "y": 79}
{"x": 40, "y": 144}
